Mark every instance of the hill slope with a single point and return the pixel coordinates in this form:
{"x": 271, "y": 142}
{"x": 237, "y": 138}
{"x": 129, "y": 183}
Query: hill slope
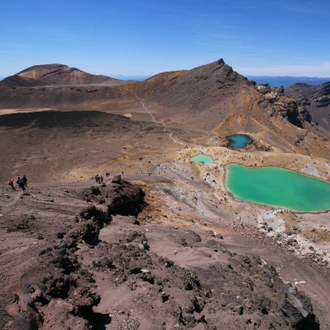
{"x": 211, "y": 100}
{"x": 161, "y": 243}
{"x": 56, "y": 74}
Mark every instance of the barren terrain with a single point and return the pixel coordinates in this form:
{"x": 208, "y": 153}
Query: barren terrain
{"x": 161, "y": 243}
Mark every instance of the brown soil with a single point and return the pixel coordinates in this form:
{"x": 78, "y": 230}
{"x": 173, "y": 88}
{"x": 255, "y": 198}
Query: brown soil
{"x": 161, "y": 244}
{"x": 69, "y": 265}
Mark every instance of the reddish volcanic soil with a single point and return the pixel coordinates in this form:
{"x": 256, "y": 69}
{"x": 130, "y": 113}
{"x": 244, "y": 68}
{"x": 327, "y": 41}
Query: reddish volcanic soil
{"x": 160, "y": 243}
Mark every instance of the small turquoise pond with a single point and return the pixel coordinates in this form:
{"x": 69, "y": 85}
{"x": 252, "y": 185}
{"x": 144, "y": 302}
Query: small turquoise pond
{"x": 278, "y": 187}
{"x": 239, "y": 140}
{"x": 202, "y": 159}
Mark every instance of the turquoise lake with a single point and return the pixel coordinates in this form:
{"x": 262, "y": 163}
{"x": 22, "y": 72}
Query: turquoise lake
{"x": 202, "y": 159}
{"x": 239, "y": 140}
{"x": 278, "y": 187}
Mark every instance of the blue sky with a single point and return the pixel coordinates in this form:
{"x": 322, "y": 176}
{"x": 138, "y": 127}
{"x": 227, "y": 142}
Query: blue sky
{"x": 145, "y": 37}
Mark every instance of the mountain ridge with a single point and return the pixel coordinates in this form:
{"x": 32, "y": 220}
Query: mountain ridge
{"x": 212, "y": 98}
{"x": 275, "y": 81}
{"x": 56, "y": 74}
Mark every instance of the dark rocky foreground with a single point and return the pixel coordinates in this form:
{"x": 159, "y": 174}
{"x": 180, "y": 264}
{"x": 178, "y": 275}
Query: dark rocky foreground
{"x": 83, "y": 280}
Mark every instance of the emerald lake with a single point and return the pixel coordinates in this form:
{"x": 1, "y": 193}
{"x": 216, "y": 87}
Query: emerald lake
{"x": 201, "y": 158}
{"x": 239, "y": 140}
{"x": 278, "y": 187}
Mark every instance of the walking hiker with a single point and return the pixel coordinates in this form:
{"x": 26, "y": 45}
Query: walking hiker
{"x": 20, "y": 183}
{"x": 24, "y": 179}
{"x": 11, "y": 183}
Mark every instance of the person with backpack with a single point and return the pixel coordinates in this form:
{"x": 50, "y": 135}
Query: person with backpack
{"x": 11, "y": 183}
{"x": 24, "y": 179}
{"x": 20, "y": 183}
{"x": 97, "y": 178}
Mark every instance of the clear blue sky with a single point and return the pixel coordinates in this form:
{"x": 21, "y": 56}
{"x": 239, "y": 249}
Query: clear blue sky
{"x": 145, "y": 37}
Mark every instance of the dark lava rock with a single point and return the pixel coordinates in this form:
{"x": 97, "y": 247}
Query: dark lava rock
{"x": 89, "y": 232}
{"x": 95, "y": 190}
{"x": 103, "y": 262}
{"x": 127, "y": 199}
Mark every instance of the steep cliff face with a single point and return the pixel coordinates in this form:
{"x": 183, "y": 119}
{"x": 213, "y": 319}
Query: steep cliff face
{"x": 314, "y": 99}
{"x": 286, "y": 107}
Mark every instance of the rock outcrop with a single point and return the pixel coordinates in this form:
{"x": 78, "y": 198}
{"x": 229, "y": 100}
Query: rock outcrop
{"x": 283, "y": 106}
{"x": 314, "y": 99}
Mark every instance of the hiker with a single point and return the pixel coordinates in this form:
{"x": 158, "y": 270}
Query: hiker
{"x": 101, "y": 178}
{"x": 24, "y": 179}
{"x": 97, "y": 178}
{"x": 11, "y": 183}
{"x": 20, "y": 183}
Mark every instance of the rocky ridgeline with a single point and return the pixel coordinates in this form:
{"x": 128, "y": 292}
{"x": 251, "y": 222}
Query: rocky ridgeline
{"x": 242, "y": 293}
{"x": 315, "y": 99}
{"x": 283, "y": 106}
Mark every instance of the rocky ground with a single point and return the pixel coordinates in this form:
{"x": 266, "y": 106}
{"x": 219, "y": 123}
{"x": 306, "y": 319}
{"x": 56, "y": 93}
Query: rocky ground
{"x": 123, "y": 255}
{"x": 161, "y": 243}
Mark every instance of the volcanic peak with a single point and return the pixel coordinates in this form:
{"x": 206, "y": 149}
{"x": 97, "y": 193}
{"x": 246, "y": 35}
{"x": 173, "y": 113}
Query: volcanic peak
{"x": 57, "y": 74}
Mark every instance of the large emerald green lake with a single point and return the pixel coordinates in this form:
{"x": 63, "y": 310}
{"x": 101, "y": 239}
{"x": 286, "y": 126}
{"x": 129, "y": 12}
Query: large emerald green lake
{"x": 278, "y": 187}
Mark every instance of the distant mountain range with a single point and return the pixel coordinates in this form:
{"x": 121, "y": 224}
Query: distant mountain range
{"x": 136, "y": 77}
{"x": 286, "y": 81}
